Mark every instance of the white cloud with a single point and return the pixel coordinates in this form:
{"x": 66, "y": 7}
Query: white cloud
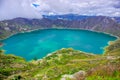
{"x": 88, "y": 7}
{"x": 24, "y": 8}
{"x": 17, "y": 8}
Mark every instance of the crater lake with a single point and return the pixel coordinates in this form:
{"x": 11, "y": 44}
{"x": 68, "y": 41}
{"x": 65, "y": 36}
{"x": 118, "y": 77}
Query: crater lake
{"x": 38, "y": 44}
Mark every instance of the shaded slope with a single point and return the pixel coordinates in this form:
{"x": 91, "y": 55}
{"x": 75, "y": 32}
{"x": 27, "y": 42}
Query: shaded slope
{"x": 98, "y": 23}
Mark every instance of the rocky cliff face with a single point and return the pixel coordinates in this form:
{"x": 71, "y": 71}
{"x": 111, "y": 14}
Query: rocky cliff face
{"x": 98, "y": 23}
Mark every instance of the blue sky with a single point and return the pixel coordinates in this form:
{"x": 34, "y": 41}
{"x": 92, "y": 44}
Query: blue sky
{"x": 24, "y": 8}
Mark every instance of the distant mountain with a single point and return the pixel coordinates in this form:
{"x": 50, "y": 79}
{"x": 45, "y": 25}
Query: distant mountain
{"x": 117, "y": 19}
{"x": 66, "y": 17}
{"x": 73, "y": 17}
{"x": 93, "y": 23}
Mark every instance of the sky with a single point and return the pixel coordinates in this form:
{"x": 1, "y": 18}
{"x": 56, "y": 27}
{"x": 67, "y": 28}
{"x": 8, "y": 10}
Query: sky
{"x": 36, "y": 8}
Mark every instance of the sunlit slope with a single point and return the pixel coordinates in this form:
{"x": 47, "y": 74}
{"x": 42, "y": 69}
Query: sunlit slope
{"x": 60, "y": 63}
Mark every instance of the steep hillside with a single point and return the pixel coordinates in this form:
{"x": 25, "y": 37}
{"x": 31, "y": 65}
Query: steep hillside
{"x": 98, "y": 23}
{"x": 10, "y": 64}
{"x": 64, "y": 64}
{"x": 113, "y": 49}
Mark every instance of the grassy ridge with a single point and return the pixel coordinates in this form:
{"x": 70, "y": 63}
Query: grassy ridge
{"x": 113, "y": 49}
{"x": 63, "y": 62}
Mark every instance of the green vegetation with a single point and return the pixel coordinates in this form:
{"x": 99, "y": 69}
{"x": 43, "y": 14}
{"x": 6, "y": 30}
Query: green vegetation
{"x": 10, "y": 64}
{"x": 113, "y": 49}
{"x": 63, "y": 62}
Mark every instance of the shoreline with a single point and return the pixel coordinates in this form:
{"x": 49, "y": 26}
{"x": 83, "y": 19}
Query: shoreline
{"x": 29, "y": 31}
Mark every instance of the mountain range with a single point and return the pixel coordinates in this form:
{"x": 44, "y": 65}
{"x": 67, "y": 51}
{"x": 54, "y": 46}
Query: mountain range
{"x": 64, "y": 64}
{"x": 104, "y": 24}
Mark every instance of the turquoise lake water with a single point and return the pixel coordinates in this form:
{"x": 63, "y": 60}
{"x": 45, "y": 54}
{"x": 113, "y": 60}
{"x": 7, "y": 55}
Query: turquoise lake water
{"x": 40, "y": 43}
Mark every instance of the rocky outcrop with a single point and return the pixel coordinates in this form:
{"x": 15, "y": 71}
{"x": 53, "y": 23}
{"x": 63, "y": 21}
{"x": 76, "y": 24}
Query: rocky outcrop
{"x": 76, "y": 76}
